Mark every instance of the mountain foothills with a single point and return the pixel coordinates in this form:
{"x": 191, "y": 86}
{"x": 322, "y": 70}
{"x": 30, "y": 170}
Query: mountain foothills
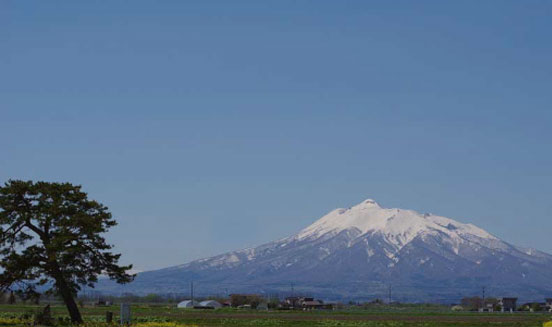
{"x": 366, "y": 252}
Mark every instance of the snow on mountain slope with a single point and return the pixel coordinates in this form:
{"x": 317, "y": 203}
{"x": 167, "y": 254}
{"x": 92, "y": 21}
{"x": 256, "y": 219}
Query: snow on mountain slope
{"x": 399, "y": 226}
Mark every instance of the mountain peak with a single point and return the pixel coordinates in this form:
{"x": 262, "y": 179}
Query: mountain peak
{"x": 368, "y": 203}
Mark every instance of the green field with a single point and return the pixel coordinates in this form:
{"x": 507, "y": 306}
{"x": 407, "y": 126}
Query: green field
{"x": 159, "y": 315}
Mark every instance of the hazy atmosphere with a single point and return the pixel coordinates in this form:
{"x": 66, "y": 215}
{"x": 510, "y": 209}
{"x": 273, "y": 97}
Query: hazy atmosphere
{"x": 208, "y": 127}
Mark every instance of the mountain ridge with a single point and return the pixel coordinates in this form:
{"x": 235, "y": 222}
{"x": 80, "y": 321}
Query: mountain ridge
{"x": 356, "y": 252}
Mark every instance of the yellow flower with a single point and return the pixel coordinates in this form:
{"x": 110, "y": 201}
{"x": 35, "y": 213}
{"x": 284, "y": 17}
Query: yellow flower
{"x": 11, "y": 321}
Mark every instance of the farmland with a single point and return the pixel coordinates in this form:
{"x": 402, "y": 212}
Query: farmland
{"x": 166, "y": 315}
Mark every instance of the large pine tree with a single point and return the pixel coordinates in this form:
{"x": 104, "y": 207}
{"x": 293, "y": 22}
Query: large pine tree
{"x": 51, "y": 237}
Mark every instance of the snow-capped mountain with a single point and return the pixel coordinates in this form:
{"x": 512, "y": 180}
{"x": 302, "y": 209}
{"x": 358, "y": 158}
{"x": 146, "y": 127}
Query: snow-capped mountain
{"x": 362, "y": 251}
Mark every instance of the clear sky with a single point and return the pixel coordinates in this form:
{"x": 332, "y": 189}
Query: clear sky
{"x": 209, "y": 126}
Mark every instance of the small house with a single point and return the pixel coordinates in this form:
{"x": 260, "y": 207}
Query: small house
{"x": 487, "y": 307}
{"x": 548, "y": 304}
{"x": 239, "y": 300}
{"x": 508, "y": 304}
{"x": 305, "y": 303}
{"x": 292, "y": 301}
{"x": 312, "y": 304}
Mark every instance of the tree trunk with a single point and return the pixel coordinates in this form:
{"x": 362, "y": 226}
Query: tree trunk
{"x": 69, "y": 301}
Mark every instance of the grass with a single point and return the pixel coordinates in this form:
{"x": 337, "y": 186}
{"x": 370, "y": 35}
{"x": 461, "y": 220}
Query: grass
{"x": 169, "y": 316}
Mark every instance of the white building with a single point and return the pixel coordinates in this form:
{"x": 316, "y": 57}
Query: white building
{"x": 210, "y": 304}
{"x": 187, "y": 304}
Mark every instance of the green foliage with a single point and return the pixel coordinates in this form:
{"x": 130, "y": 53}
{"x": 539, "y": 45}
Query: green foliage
{"x": 51, "y": 236}
{"x": 536, "y": 306}
{"x": 253, "y": 300}
{"x": 273, "y": 303}
{"x": 153, "y": 298}
{"x": 44, "y": 317}
{"x": 472, "y": 303}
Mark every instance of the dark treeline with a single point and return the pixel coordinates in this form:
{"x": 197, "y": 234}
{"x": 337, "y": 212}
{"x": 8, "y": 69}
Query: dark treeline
{"x": 273, "y": 301}
{"x": 16, "y": 298}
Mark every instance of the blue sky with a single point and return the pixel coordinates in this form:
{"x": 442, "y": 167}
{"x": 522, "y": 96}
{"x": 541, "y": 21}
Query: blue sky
{"x": 209, "y": 126}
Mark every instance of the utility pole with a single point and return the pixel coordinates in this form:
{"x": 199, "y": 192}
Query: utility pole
{"x": 292, "y": 291}
{"x": 192, "y": 292}
{"x": 483, "y": 304}
{"x": 389, "y": 295}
